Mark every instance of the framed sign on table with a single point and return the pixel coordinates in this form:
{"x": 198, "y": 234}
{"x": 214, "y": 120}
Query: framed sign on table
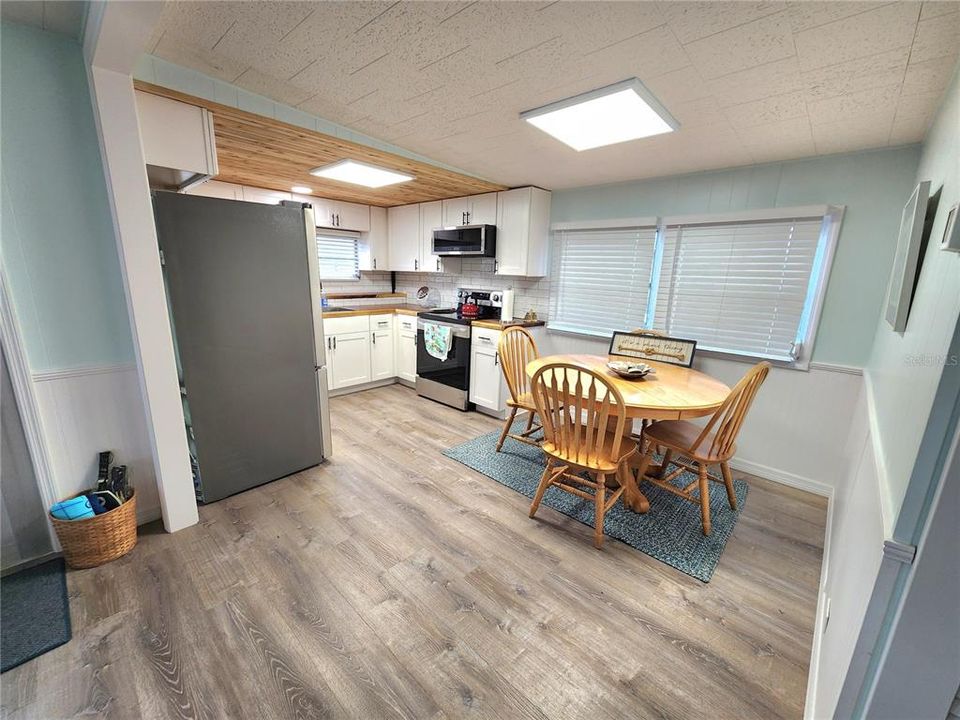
{"x": 676, "y": 351}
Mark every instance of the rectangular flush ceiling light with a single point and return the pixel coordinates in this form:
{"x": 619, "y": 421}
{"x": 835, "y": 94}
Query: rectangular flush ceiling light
{"x": 358, "y": 173}
{"x": 613, "y": 114}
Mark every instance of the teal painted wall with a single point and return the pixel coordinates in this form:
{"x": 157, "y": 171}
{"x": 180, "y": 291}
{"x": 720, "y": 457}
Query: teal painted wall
{"x": 57, "y": 244}
{"x": 872, "y": 185}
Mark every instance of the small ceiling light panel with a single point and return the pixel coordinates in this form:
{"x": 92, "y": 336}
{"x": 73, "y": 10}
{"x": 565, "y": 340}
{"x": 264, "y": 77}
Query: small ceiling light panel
{"x": 302, "y": 189}
{"x": 610, "y": 115}
{"x": 359, "y": 173}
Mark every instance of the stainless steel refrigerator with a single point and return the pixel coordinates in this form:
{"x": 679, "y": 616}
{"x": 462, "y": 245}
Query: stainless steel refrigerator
{"x": 244, "y": 296}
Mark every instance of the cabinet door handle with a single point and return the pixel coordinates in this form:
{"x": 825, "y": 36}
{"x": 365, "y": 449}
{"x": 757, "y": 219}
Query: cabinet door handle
{"x": 496, "y": 265}
{"x": 416, "y": 264}
{"x": 374, "y": 263}
{"x": 374, "y": 338}
{"x": 496, "y": 359}
{"x": 328, "y": 344}
{"x": 334, "y": 342}
{"x": 438, "y": 264}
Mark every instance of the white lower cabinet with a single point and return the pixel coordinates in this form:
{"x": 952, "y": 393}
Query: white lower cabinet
{"x": 383, "y": 361}
{"x": 406, "y": 348}
{"x": 487, "y": 385}
{"x": 351, "y": 360}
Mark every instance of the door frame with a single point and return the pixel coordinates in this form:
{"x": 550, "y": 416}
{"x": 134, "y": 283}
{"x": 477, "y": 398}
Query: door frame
{"x": 26, "y": 399}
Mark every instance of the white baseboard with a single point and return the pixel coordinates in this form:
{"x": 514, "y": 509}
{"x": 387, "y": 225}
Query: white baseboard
{"x": 783, "y": 477}
{"x": 809, "y": 706}
{"x": 365, "y": 386}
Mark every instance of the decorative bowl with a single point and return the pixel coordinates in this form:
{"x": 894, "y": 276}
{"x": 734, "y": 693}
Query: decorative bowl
{"x": 630, "y": 370}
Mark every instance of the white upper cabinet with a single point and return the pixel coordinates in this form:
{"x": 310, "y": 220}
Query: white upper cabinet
{"x": 483, "y": 209}
{"x": 266, "y": 197}
{"x": 177, "y": 138}
{"x": 430, "y": 219}
{"x": 341, "y": 215}
{"x": 470, "y": 210}
{"x": 217, "y": 189}
{"x": 374, "y": 254}
{"x": 523, "y": 232}
{"x": 403, "y": 237}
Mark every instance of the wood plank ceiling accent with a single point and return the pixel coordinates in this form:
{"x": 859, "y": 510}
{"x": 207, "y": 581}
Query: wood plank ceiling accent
{"x": 262, "y": 152}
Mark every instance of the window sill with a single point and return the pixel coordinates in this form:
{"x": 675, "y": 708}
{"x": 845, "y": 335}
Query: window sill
{"x": 802, "y": 363}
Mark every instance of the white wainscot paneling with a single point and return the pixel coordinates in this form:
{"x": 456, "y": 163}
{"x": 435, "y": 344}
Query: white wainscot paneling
{"x": 86, "y": 410}
{"x": 853, "y": 552}
{"x": 796, "y": 433}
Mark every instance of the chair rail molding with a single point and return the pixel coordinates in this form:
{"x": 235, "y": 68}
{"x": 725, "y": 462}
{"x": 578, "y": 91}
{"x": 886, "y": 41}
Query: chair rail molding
{"x": 26, "y": 400}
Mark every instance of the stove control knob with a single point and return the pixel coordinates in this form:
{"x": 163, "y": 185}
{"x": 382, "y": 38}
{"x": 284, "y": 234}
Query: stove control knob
{"x": 495, "y": 298}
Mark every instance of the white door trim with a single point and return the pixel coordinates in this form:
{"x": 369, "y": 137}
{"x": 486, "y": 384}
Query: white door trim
{"x": 26, "y": 400}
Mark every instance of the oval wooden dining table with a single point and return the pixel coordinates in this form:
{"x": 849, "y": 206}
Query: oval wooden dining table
{"x": 671, "y": 392}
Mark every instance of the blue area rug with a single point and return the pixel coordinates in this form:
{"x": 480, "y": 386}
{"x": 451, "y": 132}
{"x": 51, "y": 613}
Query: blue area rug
{"x": 34, "y": 613}
{"x": 671, "y": 532}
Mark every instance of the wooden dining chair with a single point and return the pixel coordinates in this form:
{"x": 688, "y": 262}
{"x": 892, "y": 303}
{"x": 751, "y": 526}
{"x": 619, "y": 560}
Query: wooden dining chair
{"x": 515, "y": 350}
{"x": 583, "y": 418}
{"x": 713, "y": 444}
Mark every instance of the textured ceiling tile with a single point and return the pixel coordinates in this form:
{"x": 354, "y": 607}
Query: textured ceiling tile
{"x": 938, "y": 7}
{"x": 257, "y": 82}
{"x": 759, "y": 82}
{"x": 646, "y": 55}
{"x": 849, "y": 135}
{"x": 199, "y": 59}
{"x": 938, "y": 37}
{"x": 869, "y": 33}
{"x": 927, "y": 77}
{"x": 861, "y": 74}
{"x": 768, "y": 110}
{"x": 793, "y": 131}
{"x": 681, "y": 85}
{"x": 910, "y": 128}
{"x": 863, "y": 104}
{"x": 200, "y": 24}
{"x": 448, "y": 79}
{"x": 695, "y": 20}
{"x": 743, "y": 47}
{"x": 695, "y": 113}
{"x": 808, "y": 15}
{"x": 590, "y": 26}
{"x": 782, "y": 150}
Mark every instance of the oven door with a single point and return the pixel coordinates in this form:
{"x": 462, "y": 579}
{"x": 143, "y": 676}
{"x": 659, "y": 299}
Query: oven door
{"x": 453, "y": 372}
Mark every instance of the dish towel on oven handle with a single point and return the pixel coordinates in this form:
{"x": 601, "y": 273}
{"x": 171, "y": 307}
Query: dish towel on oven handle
{"x": 437, "y": 339}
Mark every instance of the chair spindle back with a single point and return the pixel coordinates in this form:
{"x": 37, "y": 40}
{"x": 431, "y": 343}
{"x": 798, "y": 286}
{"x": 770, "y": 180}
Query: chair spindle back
{"x": 729, "y": 417}
{"x": 516, "y": 348}
{"x": 576, "y": 407}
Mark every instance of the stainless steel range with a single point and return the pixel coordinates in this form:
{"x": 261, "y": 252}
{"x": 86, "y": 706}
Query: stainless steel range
{"x": 447, "y": 379}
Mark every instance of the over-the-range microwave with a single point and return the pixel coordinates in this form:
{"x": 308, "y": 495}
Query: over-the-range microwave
{"x": 466, "y": 240}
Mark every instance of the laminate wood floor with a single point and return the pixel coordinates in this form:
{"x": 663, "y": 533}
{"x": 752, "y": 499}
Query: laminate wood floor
{"x": 394, "y": 582}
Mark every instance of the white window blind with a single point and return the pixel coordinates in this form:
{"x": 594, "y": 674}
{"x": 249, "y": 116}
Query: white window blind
{"x": 739, "y": 287}
{"x": 602, "y": 279}
{"x": 339, "y": 256}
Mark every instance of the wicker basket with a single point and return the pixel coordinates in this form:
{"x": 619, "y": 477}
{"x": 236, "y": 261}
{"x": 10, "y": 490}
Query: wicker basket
{"x": 100, "y": 539}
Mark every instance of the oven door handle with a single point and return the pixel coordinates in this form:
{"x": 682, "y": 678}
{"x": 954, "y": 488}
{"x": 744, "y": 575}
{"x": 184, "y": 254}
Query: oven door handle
{"x": 459, "y": 331}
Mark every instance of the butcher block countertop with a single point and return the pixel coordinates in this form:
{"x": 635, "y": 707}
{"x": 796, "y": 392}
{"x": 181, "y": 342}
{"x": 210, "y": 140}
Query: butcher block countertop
{"x": 411, "y": 309}
{"x": 504, "y": 324}
{"x": 402, "y": 309}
